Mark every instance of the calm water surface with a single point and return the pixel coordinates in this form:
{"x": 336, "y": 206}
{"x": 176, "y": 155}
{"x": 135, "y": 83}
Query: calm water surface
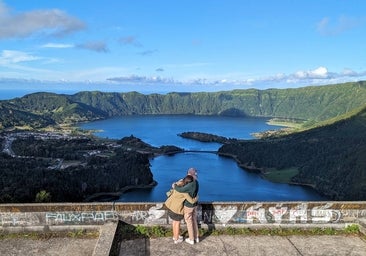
{"x": 220, "y": 178}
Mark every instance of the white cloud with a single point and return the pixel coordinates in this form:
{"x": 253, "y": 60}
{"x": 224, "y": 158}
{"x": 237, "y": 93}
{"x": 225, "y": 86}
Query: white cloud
{"x": 55, "y": 45}
{"x": 53, "y": 22}
{"x": 318, "y": 73}
{"x": 11, "y": 57}
{"x": 344, "y": 23}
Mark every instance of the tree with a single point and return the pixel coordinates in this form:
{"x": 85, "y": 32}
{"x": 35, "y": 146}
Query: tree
{"x": 43, "y": 196}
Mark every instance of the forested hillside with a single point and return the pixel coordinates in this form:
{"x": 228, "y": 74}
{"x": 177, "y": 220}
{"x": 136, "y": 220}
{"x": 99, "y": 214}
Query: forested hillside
{"x": 71, "y": 169}
{"x": 315, "y": 103}
{"x": 331, "y": 158}
{"x": 308, "y": 103}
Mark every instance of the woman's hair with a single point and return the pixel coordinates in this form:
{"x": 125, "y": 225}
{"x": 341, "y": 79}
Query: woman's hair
{"x": 187, "y": 179}
{"x": 184, "y": 181}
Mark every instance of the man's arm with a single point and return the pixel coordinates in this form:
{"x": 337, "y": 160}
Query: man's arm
{"x": 190, "y": 187}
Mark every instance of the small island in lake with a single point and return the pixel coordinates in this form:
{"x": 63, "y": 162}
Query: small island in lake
{"x": 206, "y": 137}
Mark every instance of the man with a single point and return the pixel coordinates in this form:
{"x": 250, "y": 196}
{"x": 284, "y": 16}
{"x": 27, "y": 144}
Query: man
{"x": 190, "y": 210}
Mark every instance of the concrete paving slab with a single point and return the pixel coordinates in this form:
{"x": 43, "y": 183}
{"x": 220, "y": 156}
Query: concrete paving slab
{"x": 249, "y": 245}
{"x": 47, "y": 247}
{"x": 332, "y": 245}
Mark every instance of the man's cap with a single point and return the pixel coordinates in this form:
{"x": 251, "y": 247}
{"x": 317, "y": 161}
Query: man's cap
{"x": 193, "y": 172}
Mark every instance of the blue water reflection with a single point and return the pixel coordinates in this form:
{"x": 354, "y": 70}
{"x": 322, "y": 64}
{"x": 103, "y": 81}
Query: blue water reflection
{"x": 221, "y": 179}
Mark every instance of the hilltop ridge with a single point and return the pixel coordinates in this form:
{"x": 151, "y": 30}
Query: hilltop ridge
{"x": 311, "y": 104}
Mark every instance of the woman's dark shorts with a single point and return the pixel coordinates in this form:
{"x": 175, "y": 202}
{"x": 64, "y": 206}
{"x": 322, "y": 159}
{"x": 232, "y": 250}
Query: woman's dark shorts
{"x": 175, "y": 216}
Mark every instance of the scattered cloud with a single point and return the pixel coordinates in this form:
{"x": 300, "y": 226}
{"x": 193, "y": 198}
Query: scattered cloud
{"x": 16, "y": 64}
{"x": 55, "y": 45}
{"x": 320, "y": 75}
{"x": 142, "y": 80}
{"x": 148, "y": 52}
{"x": 83, "y": 79}
{"x": 348, "y": 72}
{"x": 52, "y": 22}
{"x": 98, "y": 46}
{"x": 130, "y": 40}
{"x": 344, "y": 23}
{"x": 159, "y": 70}
{"x": 12, "y": 57}
{"x": 315, "y": 76}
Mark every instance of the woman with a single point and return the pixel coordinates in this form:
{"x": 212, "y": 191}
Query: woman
{"x": 174, "y": 203}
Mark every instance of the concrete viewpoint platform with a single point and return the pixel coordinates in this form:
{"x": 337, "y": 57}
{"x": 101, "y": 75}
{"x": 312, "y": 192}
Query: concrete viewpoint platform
{"x": 220, "y": 245}
{"x": 106, "y": 216}
{"x": 211, "y": 245}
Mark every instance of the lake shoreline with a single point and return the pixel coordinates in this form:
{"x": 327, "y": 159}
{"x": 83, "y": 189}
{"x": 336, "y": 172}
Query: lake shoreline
{"x": 261, "y": 171}
{"x": 114, "y": 196}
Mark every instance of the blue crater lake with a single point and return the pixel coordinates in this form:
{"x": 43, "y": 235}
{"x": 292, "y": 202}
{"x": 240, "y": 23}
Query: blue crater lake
{"x": 221, "y": 179}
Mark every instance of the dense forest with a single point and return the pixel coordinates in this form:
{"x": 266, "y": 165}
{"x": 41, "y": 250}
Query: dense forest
{"x": 73, "y": 168}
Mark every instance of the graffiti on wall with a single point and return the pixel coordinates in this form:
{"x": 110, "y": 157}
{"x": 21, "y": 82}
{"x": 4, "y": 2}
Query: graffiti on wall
{"x": 258, "y": 213}
{"x": 154, "y": 215}
{"x": 226, "y": 213}
{"x": 10, "y": 219}
{"x": 278, "y": 214}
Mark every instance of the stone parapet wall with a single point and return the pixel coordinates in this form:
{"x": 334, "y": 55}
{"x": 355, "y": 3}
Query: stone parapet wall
{"x": 155, "y": 213}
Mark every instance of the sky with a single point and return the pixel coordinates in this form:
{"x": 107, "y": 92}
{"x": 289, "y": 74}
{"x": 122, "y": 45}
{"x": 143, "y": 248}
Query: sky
{"x": 190, "y": 45}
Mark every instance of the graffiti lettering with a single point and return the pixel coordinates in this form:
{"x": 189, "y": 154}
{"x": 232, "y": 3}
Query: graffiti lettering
{"x": 83, "y": 217}
{"x": 299, "y": 211}
{"x": 18, "y": 219}
{"x": 321, "y": 214}
{"x": 256, "y": 213}
{"x": 277, "y": 213}
{"x": 152, "y": 216}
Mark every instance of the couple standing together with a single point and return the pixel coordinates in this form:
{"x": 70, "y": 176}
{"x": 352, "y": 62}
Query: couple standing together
{"x": 182, "y": 204}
